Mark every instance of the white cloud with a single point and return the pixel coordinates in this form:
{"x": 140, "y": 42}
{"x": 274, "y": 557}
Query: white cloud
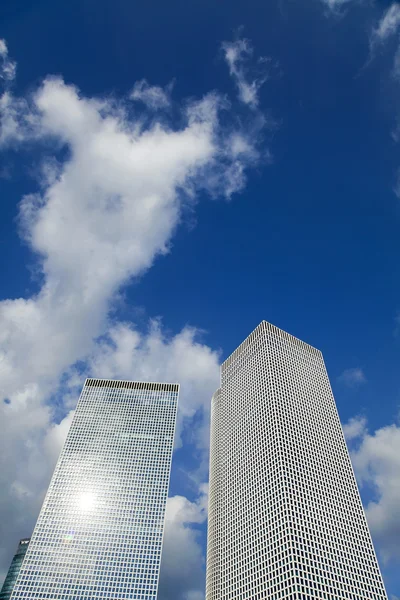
{"x": 56, "y": 435}
{"x": 354, "y": 428}
{"x": 8, "y": 67}
{"x": 387, "y": 28}
{"x": 388, "y": 25}
{"x": 152, "y": 96}
{"x": 236, "y": 55}
{"x": 102, "y": 218}
{"x": 352, "y": 377}
{"x": 113, "y": 183}
{"x": 182, "y": 565}
{"x": 376, "y": 462}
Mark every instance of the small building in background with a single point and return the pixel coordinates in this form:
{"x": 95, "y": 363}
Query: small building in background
{"x": 13, "y": 571}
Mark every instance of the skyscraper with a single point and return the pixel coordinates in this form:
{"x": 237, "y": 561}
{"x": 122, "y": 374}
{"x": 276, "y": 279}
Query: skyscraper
{"x": 285, "y": 516}
{"x": 99, "y": 532}
{"x": 14, "y": 569}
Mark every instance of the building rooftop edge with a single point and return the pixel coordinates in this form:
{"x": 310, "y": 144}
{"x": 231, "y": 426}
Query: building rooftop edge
{"x": 264, "y": 327}
{"x": 91, "y": 381}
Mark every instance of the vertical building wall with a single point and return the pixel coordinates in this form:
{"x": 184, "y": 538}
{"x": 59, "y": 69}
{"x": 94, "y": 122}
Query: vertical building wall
{"x": 285, "y": 516}
{"x": 99, "y": 533}
{"x": 213, "y": 582}
{"x": 11, "y": 578}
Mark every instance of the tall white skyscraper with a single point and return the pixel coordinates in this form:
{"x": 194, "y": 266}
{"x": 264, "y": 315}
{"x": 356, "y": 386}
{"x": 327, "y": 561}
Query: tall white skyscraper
{"x": 99, "y": 533}
{"x": 285, "y": 516}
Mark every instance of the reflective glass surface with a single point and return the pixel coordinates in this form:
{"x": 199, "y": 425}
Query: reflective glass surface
{"x": 99, "y": 532}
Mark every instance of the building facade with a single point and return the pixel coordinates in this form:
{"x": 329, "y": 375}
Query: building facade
{"x": 99, "y": 532}
{"x": 285, "y": 515}
{"x": 11, "y": 577}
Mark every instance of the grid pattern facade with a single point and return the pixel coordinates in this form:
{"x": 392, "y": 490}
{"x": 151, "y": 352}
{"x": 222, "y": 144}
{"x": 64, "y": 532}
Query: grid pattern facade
{"x": 99, "y": 533}
{"x": 8, "y": 585}
{"x": 285, "y": 515}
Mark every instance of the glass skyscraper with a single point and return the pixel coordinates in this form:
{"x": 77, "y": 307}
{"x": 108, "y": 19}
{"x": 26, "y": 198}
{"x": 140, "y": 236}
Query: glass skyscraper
{"x": 8, "y": 585}
{"x": 285, "y": 515}
{"x": 99, "y": 532}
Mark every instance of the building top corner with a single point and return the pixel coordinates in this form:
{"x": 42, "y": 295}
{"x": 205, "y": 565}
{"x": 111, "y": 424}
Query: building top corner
{"x": 264, "y": 329}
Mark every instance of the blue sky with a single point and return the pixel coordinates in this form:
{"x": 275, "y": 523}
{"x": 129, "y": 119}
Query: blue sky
{"x": 170, "y": 175}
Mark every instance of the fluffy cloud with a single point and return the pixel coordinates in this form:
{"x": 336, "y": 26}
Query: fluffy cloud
{"x": 376, "y": 461}
{"x": 354, "y": 428}
{"x": 352, "y": 377}
{"x": 102, "y": 217}
{"x": 113, "y": 182}
{"x": 182, "y": 566}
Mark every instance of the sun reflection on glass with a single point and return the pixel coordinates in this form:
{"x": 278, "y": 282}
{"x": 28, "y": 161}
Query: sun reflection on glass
{"x": 86, "y": 501}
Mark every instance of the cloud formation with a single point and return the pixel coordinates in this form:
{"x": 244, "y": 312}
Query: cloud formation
{"x": 388, "y": 24}
{"x": 100, "y": 219}
{"x": 8, "y": 68}
{"x": 237, "y": 54}
{"x": 182, "y": 566}
{"x": 153, "y": 97}
{"x": 355, "y": 428}
{"x": 352, "y": 377}
{"x": 386, "y": 29}
{"x": 102, "y": 216}
{"x": 376, "y": 461}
